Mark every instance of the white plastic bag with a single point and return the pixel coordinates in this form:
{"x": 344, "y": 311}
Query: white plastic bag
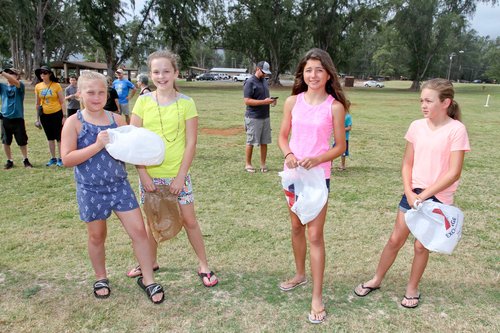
{"x": 310, "y": 193}
{"x": 135, "y": 145}
{"x": 437, "y": 226}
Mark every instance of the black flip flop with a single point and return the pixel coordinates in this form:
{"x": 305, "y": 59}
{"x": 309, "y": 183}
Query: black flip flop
{"x": 151, "y": 290}
{"x": 411, "y": 299}
{"x": 208, "y": 276}
{"x": 370, "y": 289}
{"x": 102, "y": 284}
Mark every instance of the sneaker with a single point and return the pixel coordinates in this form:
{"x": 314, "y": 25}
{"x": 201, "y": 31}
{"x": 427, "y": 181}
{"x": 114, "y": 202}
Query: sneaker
{"x": 52, "y": 161}
{"x": 8, "y": 165}
{"x": 27, "y": 163}
{"x": 59, "y": 162}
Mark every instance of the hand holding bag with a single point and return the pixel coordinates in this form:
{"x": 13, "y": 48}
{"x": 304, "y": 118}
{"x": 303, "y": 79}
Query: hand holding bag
{"x": 310, "y": 193}
{"x": 437, "y": 226}
{"x": 163, "y": 214}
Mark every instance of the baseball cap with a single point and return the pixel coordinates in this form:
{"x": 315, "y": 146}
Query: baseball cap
{"x": 119, "y": 70}
{"x": 264, "y": 66}
{"x": 11, "y": 71}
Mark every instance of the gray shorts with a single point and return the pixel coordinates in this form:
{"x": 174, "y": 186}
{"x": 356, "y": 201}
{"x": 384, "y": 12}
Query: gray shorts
{"x": 258, "y": 131}
{"x": 124, "y": 109}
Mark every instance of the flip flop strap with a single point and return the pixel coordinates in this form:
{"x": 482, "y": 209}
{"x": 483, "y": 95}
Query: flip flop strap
{"x": 412, "y": 298}
{"x": 98, "y": 285}
{"x": 153, "y": 289}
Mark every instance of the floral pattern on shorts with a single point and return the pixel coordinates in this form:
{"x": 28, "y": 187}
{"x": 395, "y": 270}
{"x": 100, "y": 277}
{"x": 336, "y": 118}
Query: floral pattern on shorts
{"x": 185, "y": 197}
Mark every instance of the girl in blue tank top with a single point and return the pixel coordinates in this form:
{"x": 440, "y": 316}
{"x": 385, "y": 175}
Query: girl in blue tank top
{"x": 102, "y": 185}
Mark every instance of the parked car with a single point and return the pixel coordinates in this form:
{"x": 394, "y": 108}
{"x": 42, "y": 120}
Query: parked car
{"x": 241, "y": 77}
{"x": 373, "y": 83}
{"x": 477, "y": 81}
{"x": 206, "y": 77}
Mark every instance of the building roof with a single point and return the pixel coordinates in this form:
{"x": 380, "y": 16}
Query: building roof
{"x": 79, "y": 64}
{"x": 198, "y": 68}
{"x": 85, "y": 65}
{"x": 228, "y": 70}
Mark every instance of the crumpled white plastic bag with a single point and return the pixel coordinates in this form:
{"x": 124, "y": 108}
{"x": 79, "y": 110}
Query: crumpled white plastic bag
{"x": 135, "y": 145}
{"x": 310, "y": 191}
{"x": 437, "y": 226}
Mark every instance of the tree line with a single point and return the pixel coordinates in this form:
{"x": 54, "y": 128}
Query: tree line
{"x": 410, "y": 39}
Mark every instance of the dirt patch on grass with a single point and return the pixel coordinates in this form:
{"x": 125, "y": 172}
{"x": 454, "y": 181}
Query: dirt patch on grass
{"x": 223, "y": 131}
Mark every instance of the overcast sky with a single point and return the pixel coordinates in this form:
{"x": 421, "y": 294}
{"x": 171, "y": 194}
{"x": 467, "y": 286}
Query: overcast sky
{"x": 485, "y": 21}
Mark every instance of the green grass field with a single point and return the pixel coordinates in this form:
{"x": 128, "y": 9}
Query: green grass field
{"x": 46, "y": 277}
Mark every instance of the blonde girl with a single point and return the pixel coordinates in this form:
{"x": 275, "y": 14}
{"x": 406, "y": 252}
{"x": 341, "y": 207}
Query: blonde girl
{"x": 102, "y": 184}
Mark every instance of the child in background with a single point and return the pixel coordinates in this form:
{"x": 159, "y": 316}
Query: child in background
{"x": 72, "y": 97}
{"x": 102, "y": 185}
{"x": 348, "y": 127}
{"x": 172, "y": 116}
{"x": 432, "y": 165}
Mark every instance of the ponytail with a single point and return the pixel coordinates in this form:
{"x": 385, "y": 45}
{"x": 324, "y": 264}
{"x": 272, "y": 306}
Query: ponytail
{"x": 454, "y": 111}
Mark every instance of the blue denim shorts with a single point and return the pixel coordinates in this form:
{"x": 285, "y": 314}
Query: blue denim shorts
{"x": 404, "y": 206}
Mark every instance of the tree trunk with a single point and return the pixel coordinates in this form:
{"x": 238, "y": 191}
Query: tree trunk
{"x": 38, "y": 36}
{"x": 415, "y": 85}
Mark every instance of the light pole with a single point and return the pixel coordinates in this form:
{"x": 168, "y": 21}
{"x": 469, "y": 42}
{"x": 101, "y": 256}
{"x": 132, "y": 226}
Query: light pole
{"x": 460, "y": 64}
{"x": 452, "y": 54}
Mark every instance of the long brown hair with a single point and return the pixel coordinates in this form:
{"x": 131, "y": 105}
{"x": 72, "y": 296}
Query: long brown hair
{"x": 172, "y": 57}
{"x": 445, "y": 90}
{"x": 332, "y": 86}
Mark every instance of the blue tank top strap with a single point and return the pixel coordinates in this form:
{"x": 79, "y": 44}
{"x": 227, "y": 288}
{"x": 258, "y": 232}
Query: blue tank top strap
{"x": 79, "y": 116}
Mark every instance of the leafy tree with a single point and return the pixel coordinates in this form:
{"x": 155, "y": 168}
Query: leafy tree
{"x": 179, "y": 26}
{"x": 266, "y": 30}
{"x": 341, "y": 27}
{"x": 493, "y": 54}
{"x": 425, "y": 27}
{"x": 65, "y": 35}
{"x": 49, "y": 30}
{"x": 102, "y": 20}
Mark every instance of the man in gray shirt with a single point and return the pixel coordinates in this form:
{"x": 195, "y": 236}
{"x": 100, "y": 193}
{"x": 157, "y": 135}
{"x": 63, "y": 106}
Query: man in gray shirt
{"x": 72, "y": 96}
{"x": 257, "y": 121}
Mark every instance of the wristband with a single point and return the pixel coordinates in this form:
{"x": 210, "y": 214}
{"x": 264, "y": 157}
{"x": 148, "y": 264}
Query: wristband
{"x": 288, "y": 154}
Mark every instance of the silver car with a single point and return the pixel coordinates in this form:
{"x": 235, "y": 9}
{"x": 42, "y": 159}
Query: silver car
{"x": 373, "y": 83}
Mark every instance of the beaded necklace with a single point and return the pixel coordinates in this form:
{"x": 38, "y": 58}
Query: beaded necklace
{"x": 161, "y": 121}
